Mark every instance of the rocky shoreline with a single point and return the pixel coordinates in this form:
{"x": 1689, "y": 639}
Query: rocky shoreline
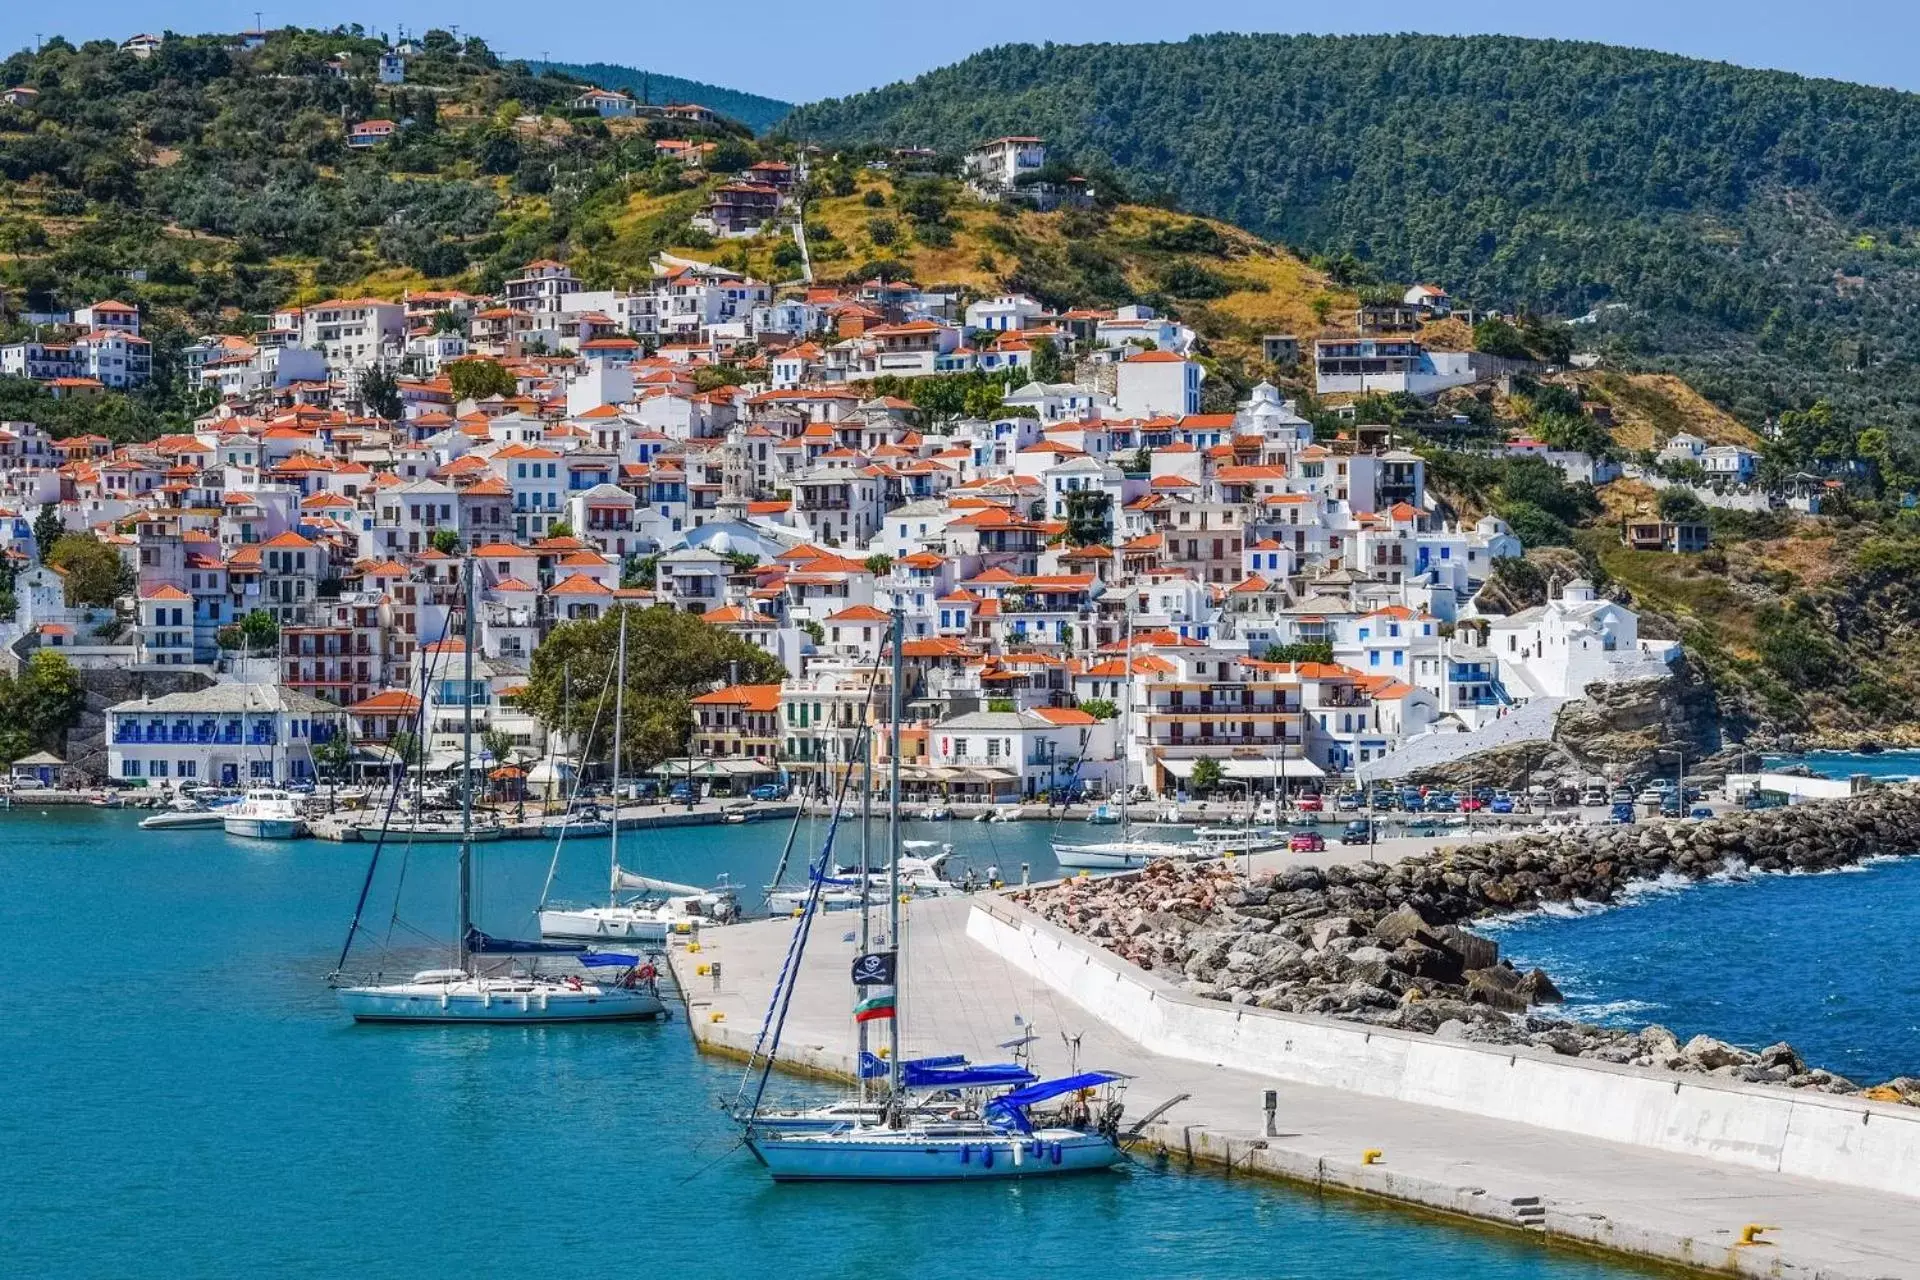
{"x": 1387, "y": 945}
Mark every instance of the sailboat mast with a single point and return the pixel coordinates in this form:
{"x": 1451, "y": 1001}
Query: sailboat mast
{"x": 893, "y": 853}
{"x": 1126, "y": 720}
{"x": 466, "y": 768}
{"x": 866, "y": 863}
{"x": 619, "y": 705}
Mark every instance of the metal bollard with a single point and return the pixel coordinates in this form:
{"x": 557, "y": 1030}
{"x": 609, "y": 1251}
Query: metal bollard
{"x": 714, "y": 968}
{"x": 1271, "y": 1103}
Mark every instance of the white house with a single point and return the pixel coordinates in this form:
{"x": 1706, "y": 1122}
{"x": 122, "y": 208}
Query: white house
{"x": 994, "y": 166}
{"x": 230, "y": 734}
{"x": 1152, "y": 384}
{"x": 1007, "y": 312}
{"x": 607, "y": 103}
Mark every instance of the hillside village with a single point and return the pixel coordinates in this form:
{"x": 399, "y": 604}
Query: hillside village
{"x": 1102, "y": 580}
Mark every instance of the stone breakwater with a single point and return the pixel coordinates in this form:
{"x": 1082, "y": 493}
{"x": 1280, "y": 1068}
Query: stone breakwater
{"x": 1387, "y": 944}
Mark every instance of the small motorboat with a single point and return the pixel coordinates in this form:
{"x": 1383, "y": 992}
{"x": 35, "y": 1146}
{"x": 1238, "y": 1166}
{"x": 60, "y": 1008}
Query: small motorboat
{"x": 183, "y": 820}
{"x": 1103, "y": 815}
{"x": 937, "y": 813}
{"x": 267, "y": 813}
{"x": 587, "y": 822}
{"x": 107, "y": 800}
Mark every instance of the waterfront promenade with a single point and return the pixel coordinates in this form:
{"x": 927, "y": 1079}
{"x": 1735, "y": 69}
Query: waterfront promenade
{"x": 961, "y": 997}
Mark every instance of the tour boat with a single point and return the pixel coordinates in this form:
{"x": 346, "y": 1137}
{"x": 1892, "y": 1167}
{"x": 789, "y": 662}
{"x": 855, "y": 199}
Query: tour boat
{"x": 466, "y": 994}
{"x": 656, "y": 907}
{"x": 1218, "y": 842}
{"x": 264, "y": 813}
{"x": 900, "y": 1142}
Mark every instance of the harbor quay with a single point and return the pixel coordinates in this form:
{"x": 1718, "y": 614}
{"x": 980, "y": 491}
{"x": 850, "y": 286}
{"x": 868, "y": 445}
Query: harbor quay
{"x": 969, "y": 989}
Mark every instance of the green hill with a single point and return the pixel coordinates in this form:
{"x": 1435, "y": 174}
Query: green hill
{"x": 750, "y": 109}
{"x": 1762, "y": 228}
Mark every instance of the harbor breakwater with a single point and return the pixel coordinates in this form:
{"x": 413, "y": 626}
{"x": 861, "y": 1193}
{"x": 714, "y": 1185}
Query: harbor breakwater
{"x": 1388, "y": 946}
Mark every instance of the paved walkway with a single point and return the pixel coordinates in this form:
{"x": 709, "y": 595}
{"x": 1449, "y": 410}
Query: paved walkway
{"x": 959, "y": 998}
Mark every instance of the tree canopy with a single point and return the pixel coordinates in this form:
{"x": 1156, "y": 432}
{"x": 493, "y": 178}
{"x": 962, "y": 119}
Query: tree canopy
{"x": 671, "y": 658}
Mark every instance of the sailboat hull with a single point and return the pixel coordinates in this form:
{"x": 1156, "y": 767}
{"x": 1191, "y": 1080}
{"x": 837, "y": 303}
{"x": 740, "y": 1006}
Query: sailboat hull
{"x": 603, "y": 924}
{"x": 505, "y": 1003}
{"x": 908, "y": 1157}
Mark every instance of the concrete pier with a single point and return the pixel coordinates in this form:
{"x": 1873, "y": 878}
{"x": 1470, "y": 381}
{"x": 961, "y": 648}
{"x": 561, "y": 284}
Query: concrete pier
{"x": 960, "y": 997}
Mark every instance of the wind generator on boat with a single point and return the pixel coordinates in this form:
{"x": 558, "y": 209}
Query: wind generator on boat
{"x": 896, "y": 1136}
{"x": 464, "y": 993}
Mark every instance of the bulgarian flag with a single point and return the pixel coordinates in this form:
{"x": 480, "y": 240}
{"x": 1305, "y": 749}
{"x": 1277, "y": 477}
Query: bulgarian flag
{"x": 874, "y": 1008}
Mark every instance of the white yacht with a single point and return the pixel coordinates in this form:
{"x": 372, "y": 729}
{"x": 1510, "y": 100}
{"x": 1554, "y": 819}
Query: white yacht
{"x": 264, "y": 813}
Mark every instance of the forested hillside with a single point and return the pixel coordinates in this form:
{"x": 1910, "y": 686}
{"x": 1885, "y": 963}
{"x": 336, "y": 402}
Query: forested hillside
{"x": 1764, "y": 228}
{"x": 210, "y": 184}
{"x": 750, "y": 109}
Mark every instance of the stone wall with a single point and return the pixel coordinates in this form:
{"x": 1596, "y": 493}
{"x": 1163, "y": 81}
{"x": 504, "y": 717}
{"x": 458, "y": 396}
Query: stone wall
{"x": 1387, "y": 944}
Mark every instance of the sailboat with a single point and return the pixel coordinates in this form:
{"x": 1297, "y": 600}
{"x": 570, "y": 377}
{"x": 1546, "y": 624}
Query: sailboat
{"x": 1130, "y": 850}
{"x": 896, "y": 1137}
{"x": 658, "y": 907}
{"x": 466, "y": 994}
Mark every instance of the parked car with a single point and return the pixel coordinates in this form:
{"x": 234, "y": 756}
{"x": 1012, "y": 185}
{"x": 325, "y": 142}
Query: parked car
{"x": 1348, "y": 801}
{"x": 1413, "y": 802}
{"x": 1472, "y": 803}
{"x": 1593, "y": 797}
{"x": 682, "y": 792}
{"x": 1359, "y": 831}
{"x": 1670, "y": 807}
{"x": 1309, "y": 802}
{"x": 1701, "y": 812}
{"x": 1385, "y": 801}
{"x": 768, "y": 791}
{"x": 1306, "y": 842}
{"x": 1622, "y": 813}
{"x": 1441, "y": 802}
{"x": 1501, "y": 804}
{"x": 1620, "y": 795}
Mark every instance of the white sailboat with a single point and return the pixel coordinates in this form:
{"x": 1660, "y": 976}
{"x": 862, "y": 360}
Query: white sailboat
{"x": 656, "y": 907}
{"x": 895, "y": 1138}
{"x": 466, "y": 994}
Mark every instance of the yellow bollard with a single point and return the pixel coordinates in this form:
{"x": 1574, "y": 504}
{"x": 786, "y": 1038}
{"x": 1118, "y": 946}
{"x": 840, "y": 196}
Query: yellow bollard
{"x": 716, "y": 1016}
{"x": 1750, "y": 1235}
{"x": 700, "y": 970}
{"x": 693, "y": 946}
{"x": 1371, "y": 1155}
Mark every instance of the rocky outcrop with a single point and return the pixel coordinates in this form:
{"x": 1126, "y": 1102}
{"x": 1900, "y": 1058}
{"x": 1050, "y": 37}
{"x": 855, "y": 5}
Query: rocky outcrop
{"x": 1624, "y": 726}
{"x": 1389, "y": 946}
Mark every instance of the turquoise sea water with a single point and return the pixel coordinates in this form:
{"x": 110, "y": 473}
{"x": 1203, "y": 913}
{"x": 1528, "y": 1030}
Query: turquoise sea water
{"x": 1822, "y": 961}
{"x": 183, "y": 1099}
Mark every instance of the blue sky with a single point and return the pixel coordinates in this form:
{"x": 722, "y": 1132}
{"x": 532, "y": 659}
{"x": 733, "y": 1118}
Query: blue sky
{"x": 801, "y": 51}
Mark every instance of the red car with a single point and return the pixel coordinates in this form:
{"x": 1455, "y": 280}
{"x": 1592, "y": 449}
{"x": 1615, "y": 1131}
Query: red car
{"x": 1309, "y": 803}
{"x": 1306, "y": 842}
{"x": 1470, "y": 804}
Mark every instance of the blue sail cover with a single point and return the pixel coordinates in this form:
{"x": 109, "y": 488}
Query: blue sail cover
{"x": 963, "y": 1076}
{"x": 1012, "y": 1107}
{"x": 486, "y": 944}
{"x": 609, "y": 960}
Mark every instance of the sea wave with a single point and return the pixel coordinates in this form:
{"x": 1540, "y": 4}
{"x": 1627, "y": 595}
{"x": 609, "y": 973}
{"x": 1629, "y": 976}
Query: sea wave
{"x": 1667, "y": 884}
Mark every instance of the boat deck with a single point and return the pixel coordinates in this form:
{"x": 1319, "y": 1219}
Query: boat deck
{"x": 960, "y": 998}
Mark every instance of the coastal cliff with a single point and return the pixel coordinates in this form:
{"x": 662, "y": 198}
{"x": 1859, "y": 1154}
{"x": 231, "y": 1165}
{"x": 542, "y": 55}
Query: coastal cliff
{"x": 1387, "y": 944}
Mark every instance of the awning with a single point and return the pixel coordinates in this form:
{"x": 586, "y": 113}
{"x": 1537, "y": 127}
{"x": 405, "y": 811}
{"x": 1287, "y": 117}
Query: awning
{"x": 1289, "y": 768}
{"x": 1232, "y": 768}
